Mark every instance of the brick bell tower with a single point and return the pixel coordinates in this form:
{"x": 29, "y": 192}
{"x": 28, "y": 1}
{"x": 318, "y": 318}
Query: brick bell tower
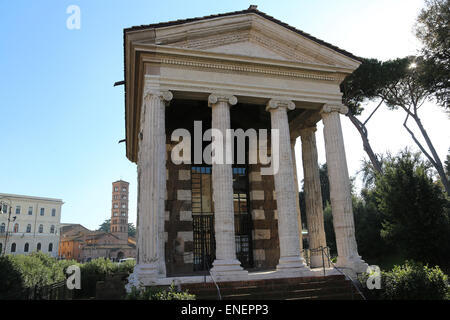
{"x": 119, "y": 210}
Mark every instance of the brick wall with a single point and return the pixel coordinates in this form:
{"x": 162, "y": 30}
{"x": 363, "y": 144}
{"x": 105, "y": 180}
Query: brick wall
{"x": 178, "y": 218}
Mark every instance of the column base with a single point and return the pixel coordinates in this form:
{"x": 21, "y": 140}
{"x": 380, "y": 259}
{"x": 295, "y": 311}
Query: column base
{"x": 228, "y": 270}
{"x": 319, "y": 262}
{"x": 355, "y": 263}
{"x": 144, "y": 275}
{"x": 293, "y": 265}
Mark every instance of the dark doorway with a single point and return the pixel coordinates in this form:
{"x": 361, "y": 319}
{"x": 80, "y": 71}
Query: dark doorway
{"x": 203, "y": 217}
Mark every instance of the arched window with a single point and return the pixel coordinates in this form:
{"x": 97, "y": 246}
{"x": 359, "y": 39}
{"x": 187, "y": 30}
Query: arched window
{"x": 26, "y": 247}
{"x": 50, "y": 247}
{"x": 38, "y": 247}
{"x": 52, "y": 229}
{"x": 16, "y": 228}
{"x": 2, "y": 228}
{"x": 29, "y": 228}
{"x": 41, "y": 228}
{"x": 13, "y": 247}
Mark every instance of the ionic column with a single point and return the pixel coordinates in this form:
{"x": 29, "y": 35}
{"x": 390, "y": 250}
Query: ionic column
{"x": 288, "y": 229}
{"x": 222, "y": 182}
{"x": 297, "y": 203}
{"x": 340, "y": 193}
{"x": 151, "y": 165}
{"x": 313, "y": 196}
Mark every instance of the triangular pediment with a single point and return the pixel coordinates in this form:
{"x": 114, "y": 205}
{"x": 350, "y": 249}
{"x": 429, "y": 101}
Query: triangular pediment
{"x": 251, "y": 35}
{"x": 250, "y": 44}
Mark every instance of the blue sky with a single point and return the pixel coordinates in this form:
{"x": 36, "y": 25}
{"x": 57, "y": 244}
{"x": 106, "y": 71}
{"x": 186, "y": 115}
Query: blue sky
{"x": 61, "y": 118}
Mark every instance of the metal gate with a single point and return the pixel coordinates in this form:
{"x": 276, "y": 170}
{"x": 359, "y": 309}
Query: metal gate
{"x": 203, "y": 218}
{"x": 204, "y": 244}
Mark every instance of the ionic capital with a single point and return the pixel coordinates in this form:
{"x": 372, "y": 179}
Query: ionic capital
{"x": 329, "y": 108}
{"x": 165, "y": 96}
{"x": 276, "y": 103}
{"x": 221, "y": 97}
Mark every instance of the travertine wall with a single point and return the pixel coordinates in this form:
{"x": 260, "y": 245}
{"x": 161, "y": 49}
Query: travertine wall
{"x": 178, "y": 218}
{"x": 263, "y": 208}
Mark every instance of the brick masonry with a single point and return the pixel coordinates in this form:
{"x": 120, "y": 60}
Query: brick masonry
{"x": 178, "y": 224}
{"x": 178, "y": 219}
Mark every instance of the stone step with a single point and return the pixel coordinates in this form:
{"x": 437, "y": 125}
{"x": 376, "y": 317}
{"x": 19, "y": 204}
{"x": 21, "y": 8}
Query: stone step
{"x": 329, "y": 287}
{"x": 273, "y": 287}
{"x": 263, "y": 283}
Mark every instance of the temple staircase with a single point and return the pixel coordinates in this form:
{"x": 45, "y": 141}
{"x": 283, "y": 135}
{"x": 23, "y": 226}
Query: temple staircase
{"x": 331, "y": 287}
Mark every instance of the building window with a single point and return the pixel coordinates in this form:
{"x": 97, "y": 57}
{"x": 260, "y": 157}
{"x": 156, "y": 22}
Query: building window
{"x": 124, "y": 214}
{"x": 116, "y": 214}
{"x": 13, "y": 247}
{"x": 52, "y": 229}
{"x": 42, "y": 211}
{"x": 50, "y": 247}
{"x": 41, "y": 228}
{"x": 124, "y": 206}
{"x": 2, "y": 228}
{"x": 116, "y": 189}
{"x": 30, "y": 211}
{"x": 116, "y": 205}
{"x": 124, "y": 197}
{"x": 53, "y": 212}
{"x": 124, "y": 189}
{"x": 26, "y": 247}
{"x": 17, "y": 209}
{"x": 28, "y": 228}
{"x": 38, "y": 247}
{"x": 5, "y": 208}
{"x": 16, "y": 228}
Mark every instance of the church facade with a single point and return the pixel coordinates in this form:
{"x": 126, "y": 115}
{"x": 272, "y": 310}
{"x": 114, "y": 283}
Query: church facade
{"x": 233, "y": 220}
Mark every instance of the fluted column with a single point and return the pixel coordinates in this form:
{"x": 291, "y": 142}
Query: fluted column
{"x": 151, "y": 165}
{"x": 313, "y": 196}
{"x": 222, "y": 182}
{"x": 288, "y": 229}
{"x": 297, "y": 203}
{"x": 340, "y": 193}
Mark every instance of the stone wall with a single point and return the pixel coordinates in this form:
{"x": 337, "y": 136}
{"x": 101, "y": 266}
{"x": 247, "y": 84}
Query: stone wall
{"x": 178, "y": 218}
{"x": 265, "y": 223}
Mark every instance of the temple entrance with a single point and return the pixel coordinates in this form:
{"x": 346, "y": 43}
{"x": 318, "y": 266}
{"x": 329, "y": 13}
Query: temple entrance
{"x": 203, "y": 217}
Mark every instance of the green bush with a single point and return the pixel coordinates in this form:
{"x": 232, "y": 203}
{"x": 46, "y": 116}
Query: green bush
{"x": 126, "y": 266}
{"x": 12, "y": 285}
{"x": 97, "y": 270}
{"x": 22, "y": 273}
{"x": 411, "y": 281}
{"x": 19, "y": 274}
{"x": 154, "y": 293}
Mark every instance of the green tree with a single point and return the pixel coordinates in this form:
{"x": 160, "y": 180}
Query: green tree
{"x": 368, "y": 225}
{"x": 433, "y": 29}
{"x": 405, "y": 91}
{"x": 415, "y": 211}
{"x": 358, "y": 89}
{"x": 105, "y": 226}
{"x": 131, "y": 230}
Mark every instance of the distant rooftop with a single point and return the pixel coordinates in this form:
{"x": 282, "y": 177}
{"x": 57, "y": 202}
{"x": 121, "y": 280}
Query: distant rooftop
{"x": 19, "y": 196}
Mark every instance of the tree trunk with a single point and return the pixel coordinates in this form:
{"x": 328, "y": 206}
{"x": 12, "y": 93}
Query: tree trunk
{"x": 367, "y": 147}
{"x": 436, "y": 161}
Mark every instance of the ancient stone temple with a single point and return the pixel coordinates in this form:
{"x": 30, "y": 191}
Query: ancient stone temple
{"x": 233, "y": 221}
